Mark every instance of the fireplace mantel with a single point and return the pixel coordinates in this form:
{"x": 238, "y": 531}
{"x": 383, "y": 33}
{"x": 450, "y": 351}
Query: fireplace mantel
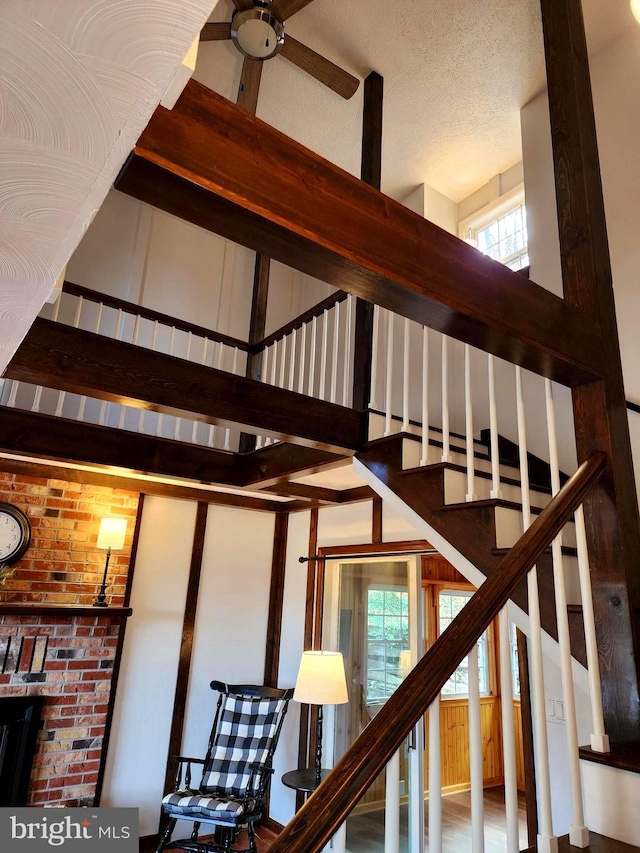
{"x": 15, "y": 608}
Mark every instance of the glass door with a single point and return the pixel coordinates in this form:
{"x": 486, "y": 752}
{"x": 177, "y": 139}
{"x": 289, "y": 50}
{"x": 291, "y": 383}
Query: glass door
{"x": 375, "y": 618}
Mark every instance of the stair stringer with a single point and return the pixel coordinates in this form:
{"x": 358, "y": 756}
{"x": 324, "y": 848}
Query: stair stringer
{"x": 462, "y": 563}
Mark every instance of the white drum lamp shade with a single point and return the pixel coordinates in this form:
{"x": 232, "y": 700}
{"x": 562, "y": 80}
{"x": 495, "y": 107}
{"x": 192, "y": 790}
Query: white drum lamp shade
{"x": 112, "y": 533}
{"x": 321, "y": 679}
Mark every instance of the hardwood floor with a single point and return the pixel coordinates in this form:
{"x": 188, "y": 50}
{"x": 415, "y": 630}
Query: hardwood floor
{"x": 365, "y": 833}
{"x": 598, "y": 844}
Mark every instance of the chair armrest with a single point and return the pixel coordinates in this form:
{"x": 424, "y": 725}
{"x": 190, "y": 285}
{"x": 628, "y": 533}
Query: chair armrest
{"x": 181, "y": 759}
{"x": 261, "y": 768}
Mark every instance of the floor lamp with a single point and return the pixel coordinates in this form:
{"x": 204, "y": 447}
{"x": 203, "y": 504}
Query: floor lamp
{"x": 321, "y": 681}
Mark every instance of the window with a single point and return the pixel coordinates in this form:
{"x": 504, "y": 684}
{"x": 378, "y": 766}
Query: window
{"x": 450, "y": 603}
{"x": 387, "y": 638}
{"x": 505, "y": 239}
{"x": 515, "y": 666}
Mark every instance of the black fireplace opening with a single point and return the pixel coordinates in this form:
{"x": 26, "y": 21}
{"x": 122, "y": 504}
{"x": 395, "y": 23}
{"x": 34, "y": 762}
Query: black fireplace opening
{"x": 19, "y": 726}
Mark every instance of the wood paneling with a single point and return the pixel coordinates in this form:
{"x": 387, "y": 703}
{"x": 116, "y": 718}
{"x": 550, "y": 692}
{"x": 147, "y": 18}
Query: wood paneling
{"x": 454, "y": 734}
{"x": 600, "y": 416}
{"x": 59, "y": 356}
{"x": 198, "y": 162}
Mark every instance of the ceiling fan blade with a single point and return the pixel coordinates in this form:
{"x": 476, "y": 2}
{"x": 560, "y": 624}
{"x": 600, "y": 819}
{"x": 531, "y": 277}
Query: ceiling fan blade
{"x": 250, "y": 85}
{"x": 241, "y": 5}
{"x": 215, "y": 32}
{"x": 322, "y": 69}
{"x": 283, "y": 9}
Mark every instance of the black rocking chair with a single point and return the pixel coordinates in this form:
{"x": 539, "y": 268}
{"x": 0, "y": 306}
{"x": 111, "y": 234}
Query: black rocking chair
{"x": 236, "y": 770}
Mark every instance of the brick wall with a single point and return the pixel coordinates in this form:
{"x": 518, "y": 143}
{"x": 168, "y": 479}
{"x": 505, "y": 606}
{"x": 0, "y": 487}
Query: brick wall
{"x": 67, "y": 659}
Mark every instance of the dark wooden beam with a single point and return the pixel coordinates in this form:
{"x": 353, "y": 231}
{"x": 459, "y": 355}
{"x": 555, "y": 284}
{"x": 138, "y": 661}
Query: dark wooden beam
{"x": 257, "y": 328}
{"x": 305, "y": 751}
{"x": 600, "y": 416}
{"x": 272, "y": 464}
{"x": 371, "y": 173}
{"x": 276, "y": 600}
{"x": 530, "y": 789}
{"x": 376, "y": 520}
{"x": 198, "y": 162}
{"x": 59, "y": 356}
{"x": 186, "y": 645}
{"x": 318, "y": 494}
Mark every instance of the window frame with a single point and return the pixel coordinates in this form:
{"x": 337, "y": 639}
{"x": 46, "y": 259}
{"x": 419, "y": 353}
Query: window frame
{"x": 469, "y": 227}
{"x": 402, "y": 590}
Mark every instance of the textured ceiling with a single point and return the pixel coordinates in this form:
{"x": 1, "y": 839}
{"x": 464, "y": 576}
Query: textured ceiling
{"x": 79, "y": 79}
{"x": 456, "y": 75}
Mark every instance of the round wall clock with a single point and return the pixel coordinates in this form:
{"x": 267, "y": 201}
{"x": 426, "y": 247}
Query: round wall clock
{"x": 15, "y": 534}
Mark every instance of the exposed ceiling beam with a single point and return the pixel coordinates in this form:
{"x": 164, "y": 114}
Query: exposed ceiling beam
{"x": 317, "y": 494}
{"x": 199, "y": 162}
{"x": 132, "y": 484}
{"x": 57, "y": 356}
{"x": 270, "y": 465}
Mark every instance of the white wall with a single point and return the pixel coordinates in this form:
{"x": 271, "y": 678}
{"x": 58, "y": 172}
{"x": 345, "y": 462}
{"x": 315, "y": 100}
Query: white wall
{"x": 136, "y": 760}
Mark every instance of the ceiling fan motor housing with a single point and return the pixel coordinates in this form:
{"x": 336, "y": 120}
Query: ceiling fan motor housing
{"x": 257, "y": 33}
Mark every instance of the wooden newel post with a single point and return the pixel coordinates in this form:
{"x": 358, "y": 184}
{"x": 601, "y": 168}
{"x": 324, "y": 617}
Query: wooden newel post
{"x": 611, "y": 510}
{"x": 371, "y": 173}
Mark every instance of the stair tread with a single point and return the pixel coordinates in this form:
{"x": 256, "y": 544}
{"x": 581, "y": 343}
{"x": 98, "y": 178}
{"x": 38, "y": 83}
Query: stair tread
{"x": 623, "y": 756}
{"x": 597, "y": 844}
{"x": 483, "y": 475}
{"x": 491, "y": 502}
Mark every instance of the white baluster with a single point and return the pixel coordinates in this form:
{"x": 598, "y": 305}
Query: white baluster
{"x": 508, "y": 736}
{"x": 389, "y": 384}
{"x": 83, "y": 399}
{"x": 283, "y": 362}
{"x": 323, "y": 355}
{"x": 189, "y": 342}
{"x": 172, "y": 339}
{"x": 264, "y": 367}
{"x": 76, "y": 322}
{"x": 468, "y": 408}
{"x": 374, "y": 355}
{"x": 475, "y": 754}
{"x": 446, "y": 437}
{"x": 227, "y": 432}
{"x": 303, "y": 359}
{"x": 258, "y": 442}
{"x": 547, "y": 842}
{"x": 56, "y": 308}
{"x": 203, "y": 361}
{"x": 348, "y": 359}
{"x": 274, "y": 363}
{"x": 336, "y": 344}
{"x": 12, "y": 394}
{"x": 424, "y": 456}
{"x": 599, "y": 739}
{"x": 435, "y": 780}
{"x": 578, "y": 832}
{"x": 496, "y": 491}
{"x": 312, "y": 356}
{"x": 392, "y": 806}
{"x": 119, "y": 330}
{"x": 35, "y": 406}
{"x": 405, "y": 375}
{"x": 217, "y": 362}
{"x": 292, "y": 360}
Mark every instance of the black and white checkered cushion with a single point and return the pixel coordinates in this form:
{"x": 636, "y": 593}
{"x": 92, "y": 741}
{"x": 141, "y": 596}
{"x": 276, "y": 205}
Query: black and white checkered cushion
{"x": 194, "y": 804}
{"x": 246, "y": 729}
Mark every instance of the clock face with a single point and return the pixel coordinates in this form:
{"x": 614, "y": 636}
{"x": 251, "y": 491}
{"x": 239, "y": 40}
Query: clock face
{"x": 15, "y": 533}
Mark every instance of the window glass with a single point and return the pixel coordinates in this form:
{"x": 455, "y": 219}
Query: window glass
{"x": 506, "y": 239}
{"x": 387, "y": 638}
{"x": 450, "y": 603}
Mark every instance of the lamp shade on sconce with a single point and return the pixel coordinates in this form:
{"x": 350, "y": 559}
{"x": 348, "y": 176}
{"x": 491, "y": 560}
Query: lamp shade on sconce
{"x": 321, "y": 679}
{"x": 112, "y": 533}
{"x": 635, "y": 8}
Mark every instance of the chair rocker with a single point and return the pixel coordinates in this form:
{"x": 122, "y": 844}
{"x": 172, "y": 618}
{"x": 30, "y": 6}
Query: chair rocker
{"x": 236, "y": 771}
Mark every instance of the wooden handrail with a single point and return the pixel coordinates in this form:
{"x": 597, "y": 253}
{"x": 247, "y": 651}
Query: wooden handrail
{"x": 329, "y": 806}
{"x": 299, "y": 321}
{"x": 150, "y": 314}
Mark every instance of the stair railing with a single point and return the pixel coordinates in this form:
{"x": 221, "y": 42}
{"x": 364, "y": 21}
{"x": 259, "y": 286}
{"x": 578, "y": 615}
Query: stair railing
{"x": 118, "y": 319}
{"x": 326, "y": 810}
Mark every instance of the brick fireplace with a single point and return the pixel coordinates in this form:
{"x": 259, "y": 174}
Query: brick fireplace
{"x": 65, "y": 655}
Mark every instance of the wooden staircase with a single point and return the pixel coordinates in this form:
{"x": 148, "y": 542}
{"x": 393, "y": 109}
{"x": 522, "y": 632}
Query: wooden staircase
{"x": 481, "y": 531}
